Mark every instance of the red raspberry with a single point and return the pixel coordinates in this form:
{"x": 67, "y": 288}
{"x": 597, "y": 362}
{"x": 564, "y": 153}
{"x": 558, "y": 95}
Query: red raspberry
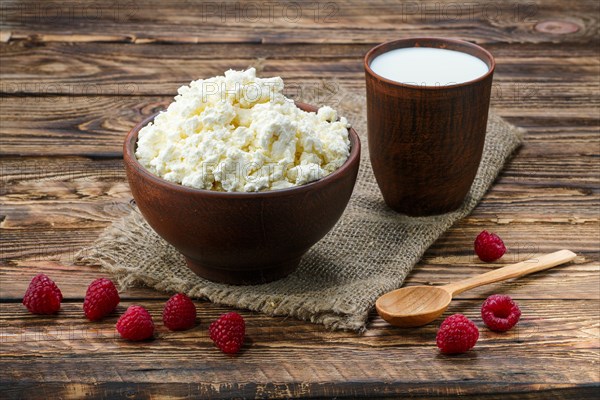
{"x": 489, "y": 247}
{"x": 135, "y": 324}
{"x": 42, "y": 296}
{"x": 179, "y": 313}
{"x": 500, "y": 313}
{"x": 101, "y": 299}
{"x": 228, "y": 332}
{"x": 457, "y": 334}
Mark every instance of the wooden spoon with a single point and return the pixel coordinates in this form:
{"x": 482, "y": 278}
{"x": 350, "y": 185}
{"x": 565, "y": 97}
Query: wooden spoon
{"x": 419, "y": 305}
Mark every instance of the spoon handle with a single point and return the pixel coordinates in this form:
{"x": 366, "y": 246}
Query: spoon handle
{"x": 512, "y": 271}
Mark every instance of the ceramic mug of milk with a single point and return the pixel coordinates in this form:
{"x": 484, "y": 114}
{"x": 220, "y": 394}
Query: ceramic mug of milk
{"x": 427, "y": 109}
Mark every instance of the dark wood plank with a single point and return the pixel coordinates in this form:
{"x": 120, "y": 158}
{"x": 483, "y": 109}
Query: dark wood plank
{"x": 96, "y": 126}
{"x": 55, "y": 206}
{"x": 62, "y": 237}
{"x": 83, "y": 193}
{"x": 544, "y": 162}
{"x": 184, "y": 21}
{"x": 116, "y": 70}
{"x": 73, "y": 280}
{"x": 374, "y": 390}
{"x": 291, "y": 356}
{"x": 451, "y": 258}
{"x": 91, "y": 110}
{"x": 439, "y": 266}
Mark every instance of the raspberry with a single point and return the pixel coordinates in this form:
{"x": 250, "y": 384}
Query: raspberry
{"x": 500, "y": 313}
{"x": 489, "y": 247}
{"x": 457, "y": 334}
{"x": 42, "y": 296}
{"x": 228, "y": 332}
{"x": 179, "y": 313}
{"x": 135, "y": 324}
{"x": 101, "y": 299}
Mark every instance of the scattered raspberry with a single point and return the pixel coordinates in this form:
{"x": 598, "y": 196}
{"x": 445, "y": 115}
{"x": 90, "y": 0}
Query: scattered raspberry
{"x": 42, "y": 296}
{"x": 500, "y": 313}
{"x": 228, "y": 332}
{"x": 101, "y": 299}
{"x": 489, "y": 247}
{"x": 457, "y": 334}
{"x": 135, "y": 324}
{"x": 179, "y": 313}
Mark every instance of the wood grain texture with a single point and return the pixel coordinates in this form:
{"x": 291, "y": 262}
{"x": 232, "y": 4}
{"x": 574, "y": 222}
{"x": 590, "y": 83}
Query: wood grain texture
{"x": 284, "y": 352}
{"x": 53, "y": 207}
{"x": 96, "y": 126}
{"x": 87, "y": 96}
{"x": 284, "y": 22}
{"x": 106, "y": 69}
{"x": 75, "y": 76}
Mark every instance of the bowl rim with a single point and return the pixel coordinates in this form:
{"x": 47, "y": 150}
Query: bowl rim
{"x": 130, "y": 160}
{"x": 427, "y": 41}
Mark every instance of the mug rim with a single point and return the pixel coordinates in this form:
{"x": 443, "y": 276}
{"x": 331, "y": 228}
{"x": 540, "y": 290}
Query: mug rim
{"x": 427, "y": 42}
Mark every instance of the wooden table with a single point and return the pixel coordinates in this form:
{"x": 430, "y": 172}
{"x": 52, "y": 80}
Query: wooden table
{"x": 77, "y": 75}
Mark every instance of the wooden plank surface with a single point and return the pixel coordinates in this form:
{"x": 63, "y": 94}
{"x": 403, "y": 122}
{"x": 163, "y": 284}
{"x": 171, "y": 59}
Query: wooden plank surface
{"x": 283, "y": 22}
{"x": 95, "y": 126}
{"x": 75, "y": 76}
{"x": 70, "y": 109}
{"x": 107, "y": 69}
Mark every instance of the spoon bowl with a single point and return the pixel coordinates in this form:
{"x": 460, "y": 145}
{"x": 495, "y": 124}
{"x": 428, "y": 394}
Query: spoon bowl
{"x": 413, "y": 305}
{"x": 419, "y": 305}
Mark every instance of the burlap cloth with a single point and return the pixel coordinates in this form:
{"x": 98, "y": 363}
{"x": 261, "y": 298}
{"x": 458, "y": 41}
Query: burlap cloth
{"x": 369, "y": 252}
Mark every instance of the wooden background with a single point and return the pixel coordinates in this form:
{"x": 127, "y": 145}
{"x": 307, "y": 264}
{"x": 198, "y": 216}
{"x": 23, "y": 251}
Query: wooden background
{"x": 76, "y": 75}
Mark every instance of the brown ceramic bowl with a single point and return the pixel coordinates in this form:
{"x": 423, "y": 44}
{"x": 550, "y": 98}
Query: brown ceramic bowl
{"x": 241, "y": 238}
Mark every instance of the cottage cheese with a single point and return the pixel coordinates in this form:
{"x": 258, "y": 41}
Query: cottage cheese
{"x": 239, "y": 133}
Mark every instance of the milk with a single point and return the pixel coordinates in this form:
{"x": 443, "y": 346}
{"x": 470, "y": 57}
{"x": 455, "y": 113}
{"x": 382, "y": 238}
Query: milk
{"x": 426, "y": 66}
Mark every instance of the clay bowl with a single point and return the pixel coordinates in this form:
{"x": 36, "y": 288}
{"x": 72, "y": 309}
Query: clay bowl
{"x": 241, "y": 238}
